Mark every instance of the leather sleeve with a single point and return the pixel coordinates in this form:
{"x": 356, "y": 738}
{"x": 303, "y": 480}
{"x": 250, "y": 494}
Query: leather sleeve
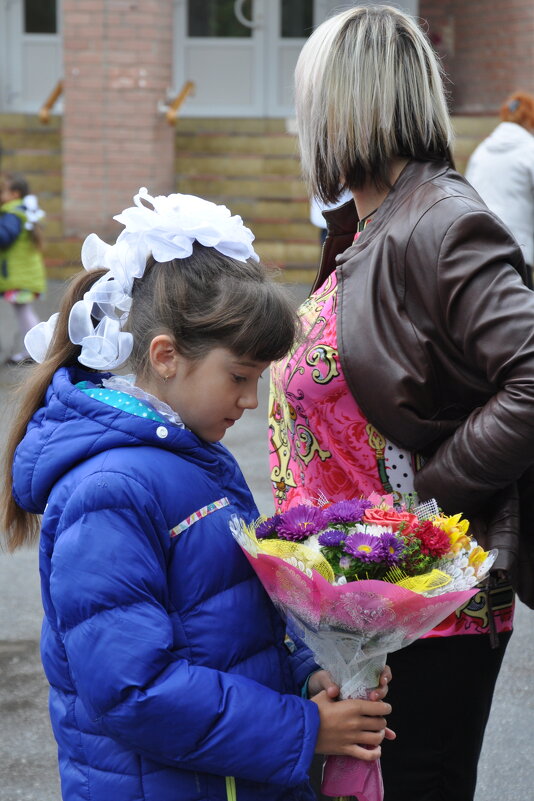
{"x": 488, "y": 316}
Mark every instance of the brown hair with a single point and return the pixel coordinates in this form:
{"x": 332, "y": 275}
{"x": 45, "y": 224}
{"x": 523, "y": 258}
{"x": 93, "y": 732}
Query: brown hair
{"x": 519, "y": 108}
{"x": 16, "y": 182}
{"x": 204, "y": 301}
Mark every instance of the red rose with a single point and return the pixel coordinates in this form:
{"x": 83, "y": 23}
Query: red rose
{"x": 391, "y": 518}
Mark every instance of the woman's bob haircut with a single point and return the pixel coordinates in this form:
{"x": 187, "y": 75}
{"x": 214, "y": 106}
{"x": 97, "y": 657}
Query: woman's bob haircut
{"x": 369, "y": 88}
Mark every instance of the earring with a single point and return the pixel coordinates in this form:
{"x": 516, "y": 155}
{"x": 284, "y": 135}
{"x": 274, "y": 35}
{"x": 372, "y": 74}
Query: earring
{"x": 165, "y": 377}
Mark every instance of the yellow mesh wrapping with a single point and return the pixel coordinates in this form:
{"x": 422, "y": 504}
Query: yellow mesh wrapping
{"x": 286, "y": 550}
{"x": 426, "y": 582}
{"x": 309, "y": 558}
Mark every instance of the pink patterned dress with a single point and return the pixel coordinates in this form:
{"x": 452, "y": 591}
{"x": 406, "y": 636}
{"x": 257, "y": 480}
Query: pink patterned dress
{"x": 321, "y": 445}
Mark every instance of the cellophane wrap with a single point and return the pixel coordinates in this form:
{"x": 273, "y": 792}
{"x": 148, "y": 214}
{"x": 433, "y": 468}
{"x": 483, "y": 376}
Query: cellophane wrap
{"x": 349, "y": 628}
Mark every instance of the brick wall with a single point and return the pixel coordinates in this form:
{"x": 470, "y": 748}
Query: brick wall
{"x": 487, "y": 48}
{"x": 118, "y": 67}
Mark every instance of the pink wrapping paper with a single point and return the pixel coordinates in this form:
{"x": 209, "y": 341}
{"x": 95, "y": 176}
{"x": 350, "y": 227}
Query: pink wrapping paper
{"x": 350, "y": 628}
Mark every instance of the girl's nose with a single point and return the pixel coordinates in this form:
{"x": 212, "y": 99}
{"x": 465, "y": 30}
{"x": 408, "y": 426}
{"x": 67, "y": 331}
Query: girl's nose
{"x": 249, "y": 399}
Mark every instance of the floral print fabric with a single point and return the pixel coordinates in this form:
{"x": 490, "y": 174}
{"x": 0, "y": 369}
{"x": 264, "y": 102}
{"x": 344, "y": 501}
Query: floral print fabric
{"x": 321, "y": 444}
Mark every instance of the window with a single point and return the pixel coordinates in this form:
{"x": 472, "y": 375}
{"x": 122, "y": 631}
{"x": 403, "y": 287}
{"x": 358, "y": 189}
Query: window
{"x": 40, "y": 16}
{"x": 217, "y": 18}
{"x": 296, "y": 18}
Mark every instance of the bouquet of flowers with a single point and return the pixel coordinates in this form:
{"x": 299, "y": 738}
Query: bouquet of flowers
{"x": 356, "y": 579}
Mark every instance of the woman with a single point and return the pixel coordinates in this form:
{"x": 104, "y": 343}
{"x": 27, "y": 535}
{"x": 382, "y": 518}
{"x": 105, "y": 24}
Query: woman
{"x": 416, "y": 370}
{"x": 502, "y": 171}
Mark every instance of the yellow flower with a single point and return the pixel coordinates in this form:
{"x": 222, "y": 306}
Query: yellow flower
{"x": 477, "y": 557}
{"x": 456, "y": 530}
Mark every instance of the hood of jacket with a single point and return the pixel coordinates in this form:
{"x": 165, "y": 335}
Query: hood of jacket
{"x": 508, "y": 136}
{"x": 56, "y": 441}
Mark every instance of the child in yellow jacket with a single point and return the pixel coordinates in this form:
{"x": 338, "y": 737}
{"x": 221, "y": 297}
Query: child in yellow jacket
{"x": 22, "y": 274}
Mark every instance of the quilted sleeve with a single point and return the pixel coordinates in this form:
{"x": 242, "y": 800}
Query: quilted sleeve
{"x": 10, "y": 227}
{"x": 108, "y": 588}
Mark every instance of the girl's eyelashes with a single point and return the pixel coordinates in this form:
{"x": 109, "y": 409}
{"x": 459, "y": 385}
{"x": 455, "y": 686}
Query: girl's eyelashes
{"x": 239, "y": 378}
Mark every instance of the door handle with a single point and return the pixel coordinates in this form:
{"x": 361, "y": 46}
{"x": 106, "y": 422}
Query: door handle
{"x": 238, "y": 11}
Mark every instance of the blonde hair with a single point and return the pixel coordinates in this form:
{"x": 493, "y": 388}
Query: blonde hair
{"x": 519, "y": 108}
{"x": 368, "y": 88}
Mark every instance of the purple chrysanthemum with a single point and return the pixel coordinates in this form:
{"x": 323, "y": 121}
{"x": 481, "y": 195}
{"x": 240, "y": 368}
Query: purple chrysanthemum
{"x": 300, "y": 522}
{"x": 268, "y": 527}
{"x": 347, "y": 511}
{"x": 392, "y": 548}
{"x": 365, "y": 547}
{"x": 331, "y": 537}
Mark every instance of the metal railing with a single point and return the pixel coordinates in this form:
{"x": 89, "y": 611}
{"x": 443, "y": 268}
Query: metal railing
{"x": 51, "y": 100}
{"x": 171, "y": 109}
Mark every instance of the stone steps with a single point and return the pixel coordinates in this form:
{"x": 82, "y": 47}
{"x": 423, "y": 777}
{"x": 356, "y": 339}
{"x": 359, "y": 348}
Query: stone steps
{"x": 252, "y": 166}
{"x": 249, "y": 165}
{"x": 470, "y": 131}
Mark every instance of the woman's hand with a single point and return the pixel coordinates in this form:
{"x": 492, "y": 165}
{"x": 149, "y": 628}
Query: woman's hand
{"x": 353, "y": 727}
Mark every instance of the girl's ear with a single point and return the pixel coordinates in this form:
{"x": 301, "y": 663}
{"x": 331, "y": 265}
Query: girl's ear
{"x": 163, "y": 356}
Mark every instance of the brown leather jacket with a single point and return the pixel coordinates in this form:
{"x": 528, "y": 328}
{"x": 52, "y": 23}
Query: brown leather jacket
{"x": 436, "y": 340}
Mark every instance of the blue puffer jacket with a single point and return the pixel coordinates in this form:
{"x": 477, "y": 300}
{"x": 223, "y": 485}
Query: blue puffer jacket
{"x": 170, "y": 680}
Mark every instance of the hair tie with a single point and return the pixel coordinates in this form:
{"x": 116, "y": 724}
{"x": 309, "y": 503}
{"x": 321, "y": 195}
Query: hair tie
{"x": 513, "y": 105}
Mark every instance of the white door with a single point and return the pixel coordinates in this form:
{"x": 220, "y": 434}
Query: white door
{"x": 241, "y": 54}
{"x": 31, "y": 58}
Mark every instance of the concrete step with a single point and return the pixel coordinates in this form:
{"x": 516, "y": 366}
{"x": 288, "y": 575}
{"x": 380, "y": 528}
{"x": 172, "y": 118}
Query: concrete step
{"x": 233, "y": 125}
{"x": 291, "y": 231}
{"x": 470, "y": 131}
{"x": 277, "y": 144}
{"x": 15, "y": 139}
{"x": 289, "y": 254}
{"x": 231, "y": 189}
{"x": 236, "y": 165}
{"x": 65, "y": 250}
{"x": 28, "y": 122}
{"x": 30, "y": 162}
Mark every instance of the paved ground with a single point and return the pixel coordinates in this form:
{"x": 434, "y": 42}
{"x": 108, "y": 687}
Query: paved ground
{"x": 27, "y": 749}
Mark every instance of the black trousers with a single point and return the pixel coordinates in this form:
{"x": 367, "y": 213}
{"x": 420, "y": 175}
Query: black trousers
{"x": 441, "y": 696}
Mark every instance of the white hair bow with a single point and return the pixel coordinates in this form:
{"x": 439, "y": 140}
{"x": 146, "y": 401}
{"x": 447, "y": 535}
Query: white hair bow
{"x": 32, "y": 211}
{"x": 167, "y": 231}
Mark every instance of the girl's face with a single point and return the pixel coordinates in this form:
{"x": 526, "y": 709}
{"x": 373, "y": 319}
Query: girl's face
{"x": 7, "y": 194}
{"x": 211, "y": 394}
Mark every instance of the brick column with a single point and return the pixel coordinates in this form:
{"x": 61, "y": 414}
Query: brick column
{"x": 118, "y": 67}
{"x": 487, "y": 48}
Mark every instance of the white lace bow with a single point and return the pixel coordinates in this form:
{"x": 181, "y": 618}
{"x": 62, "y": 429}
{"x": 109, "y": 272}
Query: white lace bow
{"x": 32, "y": 211}
{"x": 167, "y": 231}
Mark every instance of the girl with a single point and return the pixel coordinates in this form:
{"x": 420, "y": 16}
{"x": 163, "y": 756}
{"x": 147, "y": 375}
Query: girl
{"x": 168, "y": 669}
{"x": 22, "y": 274}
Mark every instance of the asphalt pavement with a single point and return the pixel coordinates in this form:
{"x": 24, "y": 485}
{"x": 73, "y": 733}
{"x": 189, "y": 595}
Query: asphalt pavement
{"x": 28, "y": 764}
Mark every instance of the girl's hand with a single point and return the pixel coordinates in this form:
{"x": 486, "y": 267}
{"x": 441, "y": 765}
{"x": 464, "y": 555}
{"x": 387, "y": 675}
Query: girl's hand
{"x": 322, "y": 680}
{"x": 352, "y": 728}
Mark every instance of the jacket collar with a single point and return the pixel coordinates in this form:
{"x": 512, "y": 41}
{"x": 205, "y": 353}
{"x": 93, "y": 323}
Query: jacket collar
{"x": 342, "y": 222}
